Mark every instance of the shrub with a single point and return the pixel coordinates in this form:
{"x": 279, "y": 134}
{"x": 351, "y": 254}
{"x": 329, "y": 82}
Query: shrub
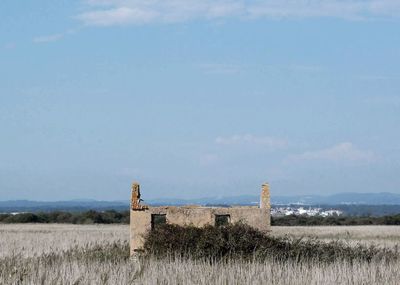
{"x": 239, "y": 240}
{"x": 24, "y": 218}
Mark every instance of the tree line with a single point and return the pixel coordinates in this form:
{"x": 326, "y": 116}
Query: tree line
{"x": 302, "y": 220}
{"x": 87, "y": 217}
{"x": 122, "y": 217}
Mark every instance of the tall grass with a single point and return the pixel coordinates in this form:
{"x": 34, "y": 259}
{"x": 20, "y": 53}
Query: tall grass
{"x": 111, "y": 265}
{"x": 379, "y": 236}
{"x": 36, "y": 239}
{"x": 104, "y": 259}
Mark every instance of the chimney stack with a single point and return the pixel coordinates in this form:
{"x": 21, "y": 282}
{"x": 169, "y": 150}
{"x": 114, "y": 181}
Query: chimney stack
{"x": 265, "y": 197}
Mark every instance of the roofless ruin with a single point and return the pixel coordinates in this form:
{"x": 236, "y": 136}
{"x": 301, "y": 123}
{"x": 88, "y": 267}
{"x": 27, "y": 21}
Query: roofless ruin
{"x": 145, "y": 218}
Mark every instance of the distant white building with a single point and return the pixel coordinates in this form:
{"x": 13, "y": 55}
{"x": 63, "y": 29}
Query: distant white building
{"x": 301, "y": 211}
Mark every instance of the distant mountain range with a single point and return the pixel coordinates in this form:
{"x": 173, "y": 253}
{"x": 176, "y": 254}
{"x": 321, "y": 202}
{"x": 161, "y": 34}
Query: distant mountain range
{"x": 383, "y": 198}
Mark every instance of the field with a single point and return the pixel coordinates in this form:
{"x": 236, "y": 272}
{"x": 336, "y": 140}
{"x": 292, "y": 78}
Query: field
{"x": 98, "y": 254}
{"x": 380, "y": 236}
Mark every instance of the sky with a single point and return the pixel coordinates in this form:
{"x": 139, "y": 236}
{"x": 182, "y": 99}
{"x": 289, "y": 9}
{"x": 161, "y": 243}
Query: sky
{"x": 198, "y": 98}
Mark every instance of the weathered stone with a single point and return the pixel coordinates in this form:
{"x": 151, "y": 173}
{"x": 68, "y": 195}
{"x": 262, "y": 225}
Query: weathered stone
{"x": 265, "y": 197}
{"x": 135, "y": 198}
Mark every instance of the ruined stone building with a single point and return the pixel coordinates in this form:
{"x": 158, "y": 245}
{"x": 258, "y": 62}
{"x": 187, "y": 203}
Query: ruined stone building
{"x": 144, "y": 218}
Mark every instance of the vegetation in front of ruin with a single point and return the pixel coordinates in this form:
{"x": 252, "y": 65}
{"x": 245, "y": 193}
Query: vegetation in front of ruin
{"x": 242, "y": 241}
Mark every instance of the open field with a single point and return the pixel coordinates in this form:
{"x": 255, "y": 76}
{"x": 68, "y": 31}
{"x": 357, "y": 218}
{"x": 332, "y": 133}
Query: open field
{"x": 36, "y": 239}
{"x": 97, "y": 254}
{"x": 381, "y": 236}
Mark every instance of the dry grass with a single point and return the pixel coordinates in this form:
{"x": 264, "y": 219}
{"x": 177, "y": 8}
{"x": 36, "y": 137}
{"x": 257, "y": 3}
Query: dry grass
{"x": 36, "y": 239}
{"x": 41, "y": 254}
{"x": 381, "y": 236}
{"x": 178, "y": 271}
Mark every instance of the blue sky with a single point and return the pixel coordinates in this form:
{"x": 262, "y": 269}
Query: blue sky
{"x": 198, "y": 98}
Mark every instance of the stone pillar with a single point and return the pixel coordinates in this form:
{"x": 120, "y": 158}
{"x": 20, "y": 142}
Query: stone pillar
{"x": 140, "y": 220}
{"x": 135, "y": 196}
{"x": 265, "y": 197}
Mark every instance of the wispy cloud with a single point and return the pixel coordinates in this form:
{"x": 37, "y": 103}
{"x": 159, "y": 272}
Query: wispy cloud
{"x": 271, "y": 143}
{"x": 54, "y": 37}
{"x": 119, "y": 16}
{"x": 123, "y": 12}
{"x": 48, "y": 38}
{"x": 341, "y": 152}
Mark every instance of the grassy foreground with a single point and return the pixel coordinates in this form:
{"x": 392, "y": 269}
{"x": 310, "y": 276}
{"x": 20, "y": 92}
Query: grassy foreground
{"x": 104, "y": 259}
{"x": 110, "y": 265}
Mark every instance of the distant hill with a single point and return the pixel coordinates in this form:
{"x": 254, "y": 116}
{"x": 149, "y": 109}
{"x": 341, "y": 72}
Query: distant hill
{"x": 349, "y": 199}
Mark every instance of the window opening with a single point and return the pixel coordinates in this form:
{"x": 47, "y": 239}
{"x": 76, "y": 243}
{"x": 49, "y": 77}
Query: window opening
{"x": 222, "y": 220}
{"x": 158, "y": 219}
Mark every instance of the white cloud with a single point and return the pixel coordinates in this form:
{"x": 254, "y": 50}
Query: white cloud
{"x": 123, "y": 12}
{"x": 345, "y": 151}
{"x": 268, "y": 142}
{"x": 118, "y": 16}
{"x": 54, "y": 37}
{"x": 142, "y": 12}
{"x": 48, "y": 38}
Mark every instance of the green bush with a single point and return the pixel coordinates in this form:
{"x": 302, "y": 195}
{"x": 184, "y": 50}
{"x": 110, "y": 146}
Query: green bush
{"x": 239, "y": 240}
{"x": 24, "y": 218}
